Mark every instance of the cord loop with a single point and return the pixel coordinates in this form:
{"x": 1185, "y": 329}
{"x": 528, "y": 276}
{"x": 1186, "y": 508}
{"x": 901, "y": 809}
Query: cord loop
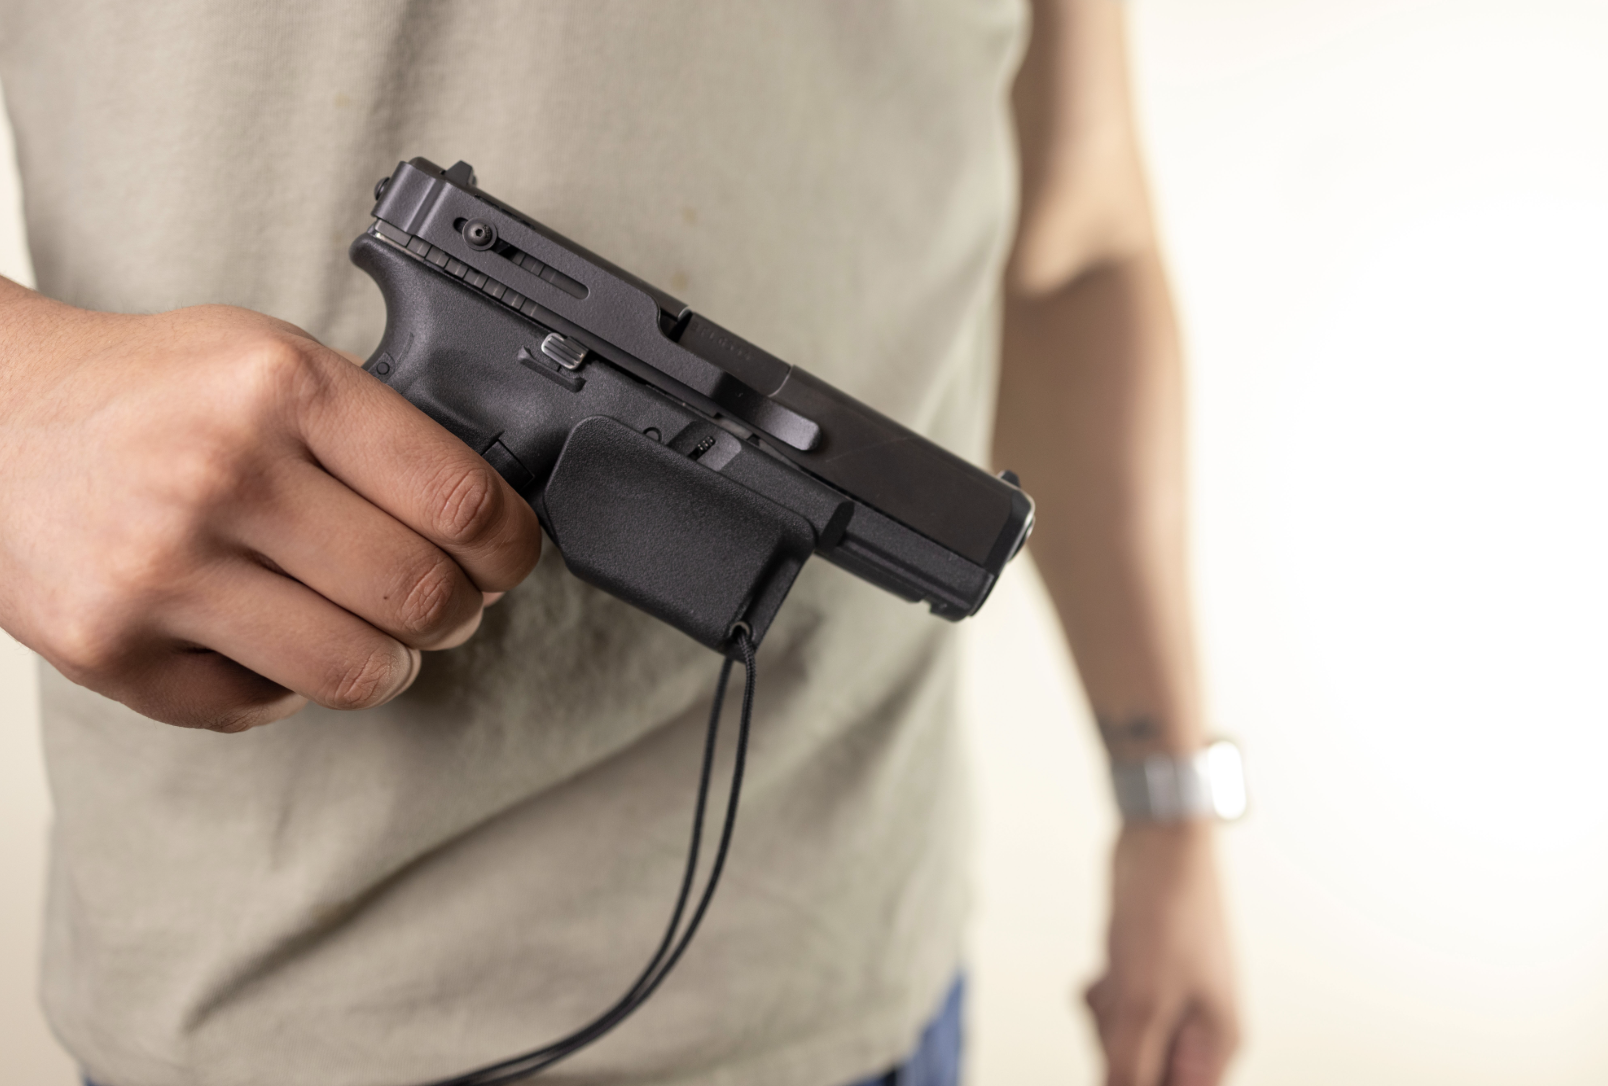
{"x": 671, "y": 947}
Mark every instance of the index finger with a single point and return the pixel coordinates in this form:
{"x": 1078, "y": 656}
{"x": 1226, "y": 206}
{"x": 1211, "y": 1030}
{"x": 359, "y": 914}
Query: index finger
{"x": 369, "y": 437}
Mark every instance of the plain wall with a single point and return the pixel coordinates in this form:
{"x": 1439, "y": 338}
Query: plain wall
{"x": 1386, "y": 221}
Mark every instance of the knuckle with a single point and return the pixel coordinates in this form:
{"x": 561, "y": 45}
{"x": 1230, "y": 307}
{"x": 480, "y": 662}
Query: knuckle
{"x": 100, "y": 623}
{"x": 157, "y": 562}
{"x": 275, "y": 378}
{"x": 209, "y": 474}
{"x": 1097, "y": 996}
{"x": 428, "y": 598}
{"x": 467, "y": 504}
{"x": 219, "y": 463}
{"x": 1136, "y": 1010}
{"x": 229, "y": 455}
{"x": 366, "y": 682}
{"x": 272, "y": 368}
{"x": 85, "y": 648}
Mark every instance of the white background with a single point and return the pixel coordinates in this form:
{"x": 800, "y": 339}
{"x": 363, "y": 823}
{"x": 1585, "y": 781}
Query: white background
{"x": 1387, "y": 221}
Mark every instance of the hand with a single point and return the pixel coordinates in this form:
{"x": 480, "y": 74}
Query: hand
{"x": 212, "y": 518}
{"x": 1165, "y": 1008}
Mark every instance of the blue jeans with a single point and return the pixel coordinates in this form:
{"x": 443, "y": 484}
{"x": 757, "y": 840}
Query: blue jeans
{"x": 936, "y": 1060}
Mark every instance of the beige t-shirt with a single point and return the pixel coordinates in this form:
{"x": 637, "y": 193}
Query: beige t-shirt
{"x": 386, "y": 897}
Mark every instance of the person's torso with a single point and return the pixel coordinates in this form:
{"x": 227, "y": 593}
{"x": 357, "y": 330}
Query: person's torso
{"x": 399, "y": 894}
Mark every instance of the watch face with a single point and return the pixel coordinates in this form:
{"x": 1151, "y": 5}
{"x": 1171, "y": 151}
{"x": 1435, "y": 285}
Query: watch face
{"x": 1226, "y": 773}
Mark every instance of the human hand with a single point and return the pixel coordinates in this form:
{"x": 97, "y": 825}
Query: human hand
{"x": 212, "y": 518}
{"x": 1165, "y": 1008}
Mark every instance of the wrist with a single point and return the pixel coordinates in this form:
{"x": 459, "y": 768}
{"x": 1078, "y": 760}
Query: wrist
{"x": 1205, "y": 784}
{"x": 1153, "y": 861}
{"x": 36, "y": 332}
{"x": 1195, "y": 832}
{"x": 1131, "y": 736}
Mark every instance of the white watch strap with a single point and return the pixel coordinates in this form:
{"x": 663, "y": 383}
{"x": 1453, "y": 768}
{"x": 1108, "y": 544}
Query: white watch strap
{"x": 1167, "y": 788}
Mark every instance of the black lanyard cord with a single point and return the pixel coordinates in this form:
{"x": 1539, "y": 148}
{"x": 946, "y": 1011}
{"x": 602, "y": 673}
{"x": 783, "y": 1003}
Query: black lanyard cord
{"x": 670, "y": 946}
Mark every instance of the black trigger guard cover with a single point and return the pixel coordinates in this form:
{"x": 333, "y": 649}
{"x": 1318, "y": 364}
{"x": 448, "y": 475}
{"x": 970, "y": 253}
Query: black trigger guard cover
{"x": 684, "y": 544}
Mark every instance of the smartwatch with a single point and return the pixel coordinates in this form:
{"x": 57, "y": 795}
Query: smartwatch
{"x": 1171, "y": 788}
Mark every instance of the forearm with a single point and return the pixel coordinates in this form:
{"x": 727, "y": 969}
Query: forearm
{"x": 1091, "y": 416}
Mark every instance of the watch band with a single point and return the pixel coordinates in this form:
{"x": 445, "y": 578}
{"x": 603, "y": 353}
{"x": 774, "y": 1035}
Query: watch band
{"x": 1167, "y": 788}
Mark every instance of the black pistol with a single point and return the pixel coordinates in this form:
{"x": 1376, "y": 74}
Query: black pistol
{"x": 675, "y": 465}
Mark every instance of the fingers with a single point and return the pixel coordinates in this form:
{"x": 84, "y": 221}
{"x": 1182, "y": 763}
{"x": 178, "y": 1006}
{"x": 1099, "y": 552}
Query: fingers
{"x": 231, "y": 433}
{"x": 198, "y": 688}
{"x": 1200, "y": 1051}
{"x": 384, "y": 448}
{"x": 1135, "y": 1031}
{"x": 250, "y": 647}
{"x": 360, "y": 557}
{"x": 291, "y": 636}
{"x": 1151, "y": 1042}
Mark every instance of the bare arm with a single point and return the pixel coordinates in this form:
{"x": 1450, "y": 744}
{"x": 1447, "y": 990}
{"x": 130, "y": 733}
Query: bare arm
{"x": 1091, "y": 416}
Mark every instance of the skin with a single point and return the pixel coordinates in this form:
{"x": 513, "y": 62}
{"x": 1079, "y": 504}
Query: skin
{"x": 269, "y": 526}
{"x": 1091, "y": 416}
{"x": 278, "y": 528}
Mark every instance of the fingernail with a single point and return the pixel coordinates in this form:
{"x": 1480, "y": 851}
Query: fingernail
{"x": 462, "y": 633}
{"x": 415, "y": 663}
